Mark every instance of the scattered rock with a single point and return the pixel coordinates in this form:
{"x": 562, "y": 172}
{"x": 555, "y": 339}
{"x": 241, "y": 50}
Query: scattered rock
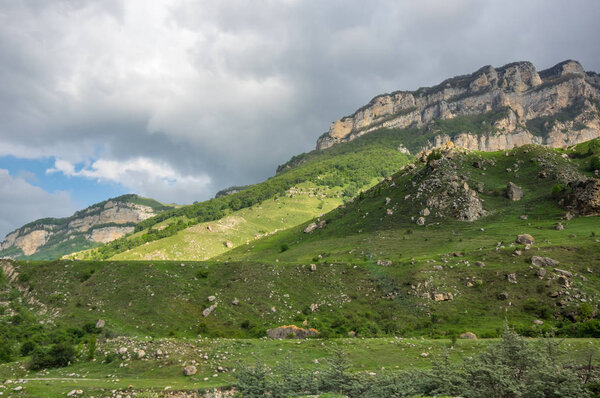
{"x": 385, "y": 263}
{"x": 189, "y": 370}
{"x": 291, "y": 331}
{"x": 313, "y": 267}
{"x": 542, "y": 174}
{"x": 503, "y": 296}
{"x": 352, "y": 333}
{"x": 442, "y": 296}
{"x": 585, "y": 197}
{"x": 517, "y": 252}
{"x": 100, "y": 324}
{"x": 228, "y": 244}
{"x": 141, "y": 354}
{"x": 387, "y": 201}
{"x": 314, "y": 307}
{"x": 389, "y": 212}
{"x": 563, "y": 272}
{"x": 525, "y": 239}
{"x": 541, "y": 273}
{"x": 538, "y": 322}
{"x": 235, "y": 301}
{"x": 425, "y": 212}
{"x": 543, "y": 261}
{"x": 468, "y": 336}
{"x": 211, "y": 298}
{"x": 421, "y": 221}
{"x": 438, "y": 267}
{"x": 554, "y": 294}
{"x": 523, "y": 217}
{"x": 513, "y": 192}
{"x": 207, "y": 311}
{"x": 564, "y": 281}
{"x": 122, "y": 351}
{"x": 559, "y": 226}
{"x": 424, "y": 354}
{"x": 512, "y": 278}
{"x": 480, "y": 263}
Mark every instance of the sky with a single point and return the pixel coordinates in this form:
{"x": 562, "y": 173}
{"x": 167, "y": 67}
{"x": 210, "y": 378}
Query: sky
{"x": 176, "y": 100}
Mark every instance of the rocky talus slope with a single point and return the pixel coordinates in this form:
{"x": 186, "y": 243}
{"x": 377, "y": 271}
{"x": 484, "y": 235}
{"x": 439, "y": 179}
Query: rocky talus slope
{"x": 557, "y": 107}
{"x": 99, "y": 223}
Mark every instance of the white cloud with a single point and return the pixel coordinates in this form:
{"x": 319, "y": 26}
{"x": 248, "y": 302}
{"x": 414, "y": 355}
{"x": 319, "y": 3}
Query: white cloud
{"x": 23, "y": 203}
{"x": 145, "y": 176}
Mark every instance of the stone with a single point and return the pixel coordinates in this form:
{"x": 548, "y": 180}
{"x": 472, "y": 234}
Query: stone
{"x": 235, "y": 301}
{"x": 438, "y": 267}
{"x": 480, "y": 263}
{"x": 425, "y": 212}
{"x": 585, "y": 197}
{"x": 314, "y": 307}
{"x": 352, "y": 333}
{"x": 523, "y": 217}
{"x": 228, "y": 244}
{"x": 421, "y": 221}
{"x": 141, "y": 354}
{"x": 189, "y": 370}
{"x": 211, "y": 298}
{"x": 385, "y": 263}
{"x": 559, "y": 226}
{"x": 525, "y": 239}
{"x": 564, "y": 281}
{"x": 424, "y": 354}
{"x": 554, "y": 294}
{"x": 387, "y": 201}
{"x": 513, "y": 192}
{"x": 512, "y": 278}
{"x": 563, "y": 272}
{"x": 389, "y": 212}
{"x": 100, "y": 323}
{"x": 310, "y": 228}
{"x": 122, "y": 351}
{"x": 503, "y": 296}
{"x": 541, "y": 273}
{"x": 538, "y": 322}
{"x": 313, "y": 267}
{"x": 442, "y": 296}
{"x": 209, "y": 310}
{"x": 543, "y": 261}
{"x": 468, "y": 336}
{"x": 517, "y": 252}
{"x": 291, "y": 331}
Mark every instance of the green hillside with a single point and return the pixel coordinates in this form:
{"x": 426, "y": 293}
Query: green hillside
{"x": 339, "y": 172}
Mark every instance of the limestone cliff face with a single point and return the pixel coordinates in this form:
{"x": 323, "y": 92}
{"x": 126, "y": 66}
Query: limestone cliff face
{"x": 518, "y": 87}
{"x": 99, "y": 223}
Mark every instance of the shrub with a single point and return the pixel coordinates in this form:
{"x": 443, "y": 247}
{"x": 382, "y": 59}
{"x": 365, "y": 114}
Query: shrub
{"x": 6, "y": 351}
{"x": 59, "y": 355}
{"x": 202, "y": 274}
{"x": 28, "y": 347}
{"x": 284, "y": 247}
{"x": 595, "y": 163}
{"x": 557, "y": 190}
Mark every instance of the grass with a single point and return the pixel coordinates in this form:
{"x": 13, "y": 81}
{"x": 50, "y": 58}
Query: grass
{"x": 155, "y": 373}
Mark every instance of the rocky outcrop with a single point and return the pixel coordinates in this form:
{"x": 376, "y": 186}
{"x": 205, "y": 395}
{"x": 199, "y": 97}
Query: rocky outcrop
{"x": 524, "y": 94}
{"x": 291, "y": 331}
{"x": 99, "y": 223}
{"x": 585, "y": 197}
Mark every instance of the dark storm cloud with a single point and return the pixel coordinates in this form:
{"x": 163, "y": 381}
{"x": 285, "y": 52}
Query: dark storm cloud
{"x": 219, "y": 93}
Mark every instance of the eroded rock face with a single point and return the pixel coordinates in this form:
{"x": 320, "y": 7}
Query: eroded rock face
{"x": 93, "y": 221}
{"x": 517, "y": 87}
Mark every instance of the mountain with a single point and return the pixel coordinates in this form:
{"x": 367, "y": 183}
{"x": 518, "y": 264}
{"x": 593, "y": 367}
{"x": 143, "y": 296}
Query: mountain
{"x": 100, "y": 223}
{"x": 491, "y": 109}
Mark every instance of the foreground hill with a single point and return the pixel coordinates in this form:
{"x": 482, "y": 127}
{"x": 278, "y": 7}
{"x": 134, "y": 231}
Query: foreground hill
{"x": 49, "y": 238}
{"x": 488, "y": 110}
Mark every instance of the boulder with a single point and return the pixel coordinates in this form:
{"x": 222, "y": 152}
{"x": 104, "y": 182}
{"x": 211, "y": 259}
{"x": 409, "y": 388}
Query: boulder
{"x": 525, "y": 239}
{"x": 310, "y": 228}
{"x": 189, "y": 370}
{"x": 291, "y": 331}
{"x": 559, "y": 227}
{"x": 209, "y": 310}
{"x": 585, "y": 198}
{"x": 442, "y": 296}
{"x": 100, "y": 323}
{"x": 541, "y": 273}
{"x": 468, "y": 336}
{"x": 512, "y": 278}
{"x": 543, "y": 261}
{"x": 513, "y": 192}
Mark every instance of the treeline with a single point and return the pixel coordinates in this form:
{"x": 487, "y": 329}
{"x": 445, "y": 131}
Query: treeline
{"x": 511, "y": 368}
{"x": 352, "y": 168}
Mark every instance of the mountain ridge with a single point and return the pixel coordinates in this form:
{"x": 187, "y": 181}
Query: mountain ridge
{"x": 532, "y": 100}
{"x": 99, "y": 223}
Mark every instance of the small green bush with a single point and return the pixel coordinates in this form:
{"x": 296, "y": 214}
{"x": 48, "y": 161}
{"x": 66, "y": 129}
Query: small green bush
{"x": 58, "y": 355}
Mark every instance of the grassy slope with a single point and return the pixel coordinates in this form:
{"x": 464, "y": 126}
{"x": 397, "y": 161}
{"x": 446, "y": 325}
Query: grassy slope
{"x": 201, "y": 243}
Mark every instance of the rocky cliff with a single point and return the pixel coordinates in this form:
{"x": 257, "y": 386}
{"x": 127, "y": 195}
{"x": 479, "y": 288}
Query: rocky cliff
{"x": 512, "y": 105}
{"x": 99, "y": 223}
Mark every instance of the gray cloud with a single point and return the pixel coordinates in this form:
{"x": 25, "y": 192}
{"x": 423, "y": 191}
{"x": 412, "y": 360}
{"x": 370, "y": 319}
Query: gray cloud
{"x": 225, "y": 91}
